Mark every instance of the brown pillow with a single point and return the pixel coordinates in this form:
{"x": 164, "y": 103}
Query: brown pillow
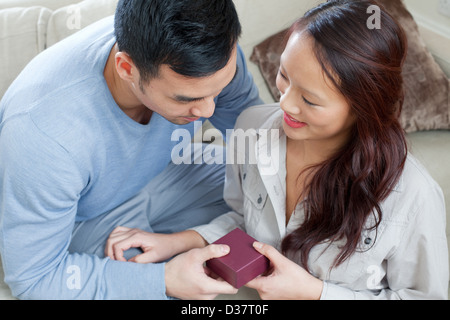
{"x": 427, "y": 95}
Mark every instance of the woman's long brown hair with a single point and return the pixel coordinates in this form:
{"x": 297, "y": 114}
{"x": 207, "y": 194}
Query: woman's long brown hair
{"x": 366, "y": 66}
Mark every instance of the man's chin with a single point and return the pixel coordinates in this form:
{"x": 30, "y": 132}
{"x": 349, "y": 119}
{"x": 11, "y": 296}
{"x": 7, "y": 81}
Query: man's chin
{"x": 183, "y": 121}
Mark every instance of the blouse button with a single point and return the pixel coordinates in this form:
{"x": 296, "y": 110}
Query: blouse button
{"x": 368, "y": 241}
{"x": 260, "y": 199}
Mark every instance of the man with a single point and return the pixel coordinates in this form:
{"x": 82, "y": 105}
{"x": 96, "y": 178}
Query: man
{"x": 85, "y": 140}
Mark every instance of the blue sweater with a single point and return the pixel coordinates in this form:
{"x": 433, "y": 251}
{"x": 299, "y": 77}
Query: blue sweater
{"x": 68, "y": 153}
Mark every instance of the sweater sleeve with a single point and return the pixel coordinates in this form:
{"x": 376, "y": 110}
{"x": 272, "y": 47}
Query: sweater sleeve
{"x": 40, "y": 186}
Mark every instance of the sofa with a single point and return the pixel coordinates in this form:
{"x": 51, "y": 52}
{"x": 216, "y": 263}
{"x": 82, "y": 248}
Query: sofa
{"x": 30, "y": 26}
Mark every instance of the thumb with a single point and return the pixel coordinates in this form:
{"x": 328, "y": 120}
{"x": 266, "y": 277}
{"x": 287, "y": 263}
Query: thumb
{"x": 270, "y": 252}
{"x": 214, "y": 251}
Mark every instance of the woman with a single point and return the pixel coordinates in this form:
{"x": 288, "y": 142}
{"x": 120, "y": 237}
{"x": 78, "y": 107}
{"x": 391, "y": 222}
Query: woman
{"x": 353, "y": 214}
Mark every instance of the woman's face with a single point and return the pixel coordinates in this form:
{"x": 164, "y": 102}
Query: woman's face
{"x": 314, "y": 108}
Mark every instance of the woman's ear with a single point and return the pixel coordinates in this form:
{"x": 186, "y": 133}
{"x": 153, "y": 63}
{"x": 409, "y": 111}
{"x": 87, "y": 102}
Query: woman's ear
{"x": 125, "y": 66}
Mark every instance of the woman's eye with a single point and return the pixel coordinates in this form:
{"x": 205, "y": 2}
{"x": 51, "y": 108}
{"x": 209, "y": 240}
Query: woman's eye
{"x": 282, "y": 75}
{"x": 308, "y": 102}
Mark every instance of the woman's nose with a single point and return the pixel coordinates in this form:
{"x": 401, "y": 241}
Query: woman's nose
{"x": 289, "y": 103}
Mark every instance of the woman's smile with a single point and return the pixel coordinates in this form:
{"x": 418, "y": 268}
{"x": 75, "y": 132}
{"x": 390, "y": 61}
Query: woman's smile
{"x": 291, "y": 122}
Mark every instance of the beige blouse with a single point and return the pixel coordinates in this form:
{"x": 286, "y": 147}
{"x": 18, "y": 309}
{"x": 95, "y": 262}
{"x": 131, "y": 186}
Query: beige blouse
{"x": 406, "y": 259}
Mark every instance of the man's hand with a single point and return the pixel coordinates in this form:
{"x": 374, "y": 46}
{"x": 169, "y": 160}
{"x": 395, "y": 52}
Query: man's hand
{"x": 187, "y": 278}
{"x": 156, "y": 247}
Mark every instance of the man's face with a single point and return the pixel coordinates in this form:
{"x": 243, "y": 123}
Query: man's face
{"x": 182, "y": 100}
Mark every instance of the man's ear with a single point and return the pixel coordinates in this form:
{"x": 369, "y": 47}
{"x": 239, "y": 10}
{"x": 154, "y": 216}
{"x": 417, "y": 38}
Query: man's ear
{"x": 125, "y": 66}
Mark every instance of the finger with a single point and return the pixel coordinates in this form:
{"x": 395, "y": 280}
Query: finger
{"x": 120, "y": 229}
{"x": 113, "y": 240}
{"x": 255, "y": 283}
{"x": 218, "y": 286}
{"x": 109, "y": 251}
{"x": 146, "y": 257}
{"x": 120, "y": 247}
{"x": 117, "y": 254}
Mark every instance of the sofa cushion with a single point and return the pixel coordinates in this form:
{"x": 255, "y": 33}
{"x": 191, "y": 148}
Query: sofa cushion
{"x": 68, "y": 20}
{"x": 26, "y": 31}
{"x": 427, "y": 97}
{"x": 22, "y": 36}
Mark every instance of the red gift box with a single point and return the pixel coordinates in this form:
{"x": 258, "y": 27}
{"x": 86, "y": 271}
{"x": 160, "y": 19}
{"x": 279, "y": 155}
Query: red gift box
{"x": 242, "y": 264}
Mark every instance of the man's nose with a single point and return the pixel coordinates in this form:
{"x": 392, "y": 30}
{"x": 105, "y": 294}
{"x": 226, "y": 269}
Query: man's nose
{"x": 205, "y": 108}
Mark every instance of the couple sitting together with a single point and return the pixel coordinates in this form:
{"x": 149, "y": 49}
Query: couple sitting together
{"x": 87, "y": 183}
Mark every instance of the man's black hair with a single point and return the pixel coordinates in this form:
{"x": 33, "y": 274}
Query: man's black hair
{"x": 194, "y": 37}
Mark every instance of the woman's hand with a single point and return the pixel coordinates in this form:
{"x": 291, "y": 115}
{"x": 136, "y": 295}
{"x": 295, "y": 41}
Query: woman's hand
{"x": 287, "y": 280}
{"x": 156, "y": 247}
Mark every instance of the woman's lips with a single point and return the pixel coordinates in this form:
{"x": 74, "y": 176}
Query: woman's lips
{"x": 291, "y": 122}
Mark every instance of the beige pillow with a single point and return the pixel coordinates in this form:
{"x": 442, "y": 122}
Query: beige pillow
{"x": 427, "y": 103}
{"x": 50, "y": 4}
{"x": 68, "y": 20}
{"x": 22, "y": 36}
{"x": 427, "y": 97}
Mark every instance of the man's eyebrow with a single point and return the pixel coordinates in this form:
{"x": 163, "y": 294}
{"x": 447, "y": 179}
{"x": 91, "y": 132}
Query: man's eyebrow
{"x": 187, "y": 99}
{"x": 181, "y": 98}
